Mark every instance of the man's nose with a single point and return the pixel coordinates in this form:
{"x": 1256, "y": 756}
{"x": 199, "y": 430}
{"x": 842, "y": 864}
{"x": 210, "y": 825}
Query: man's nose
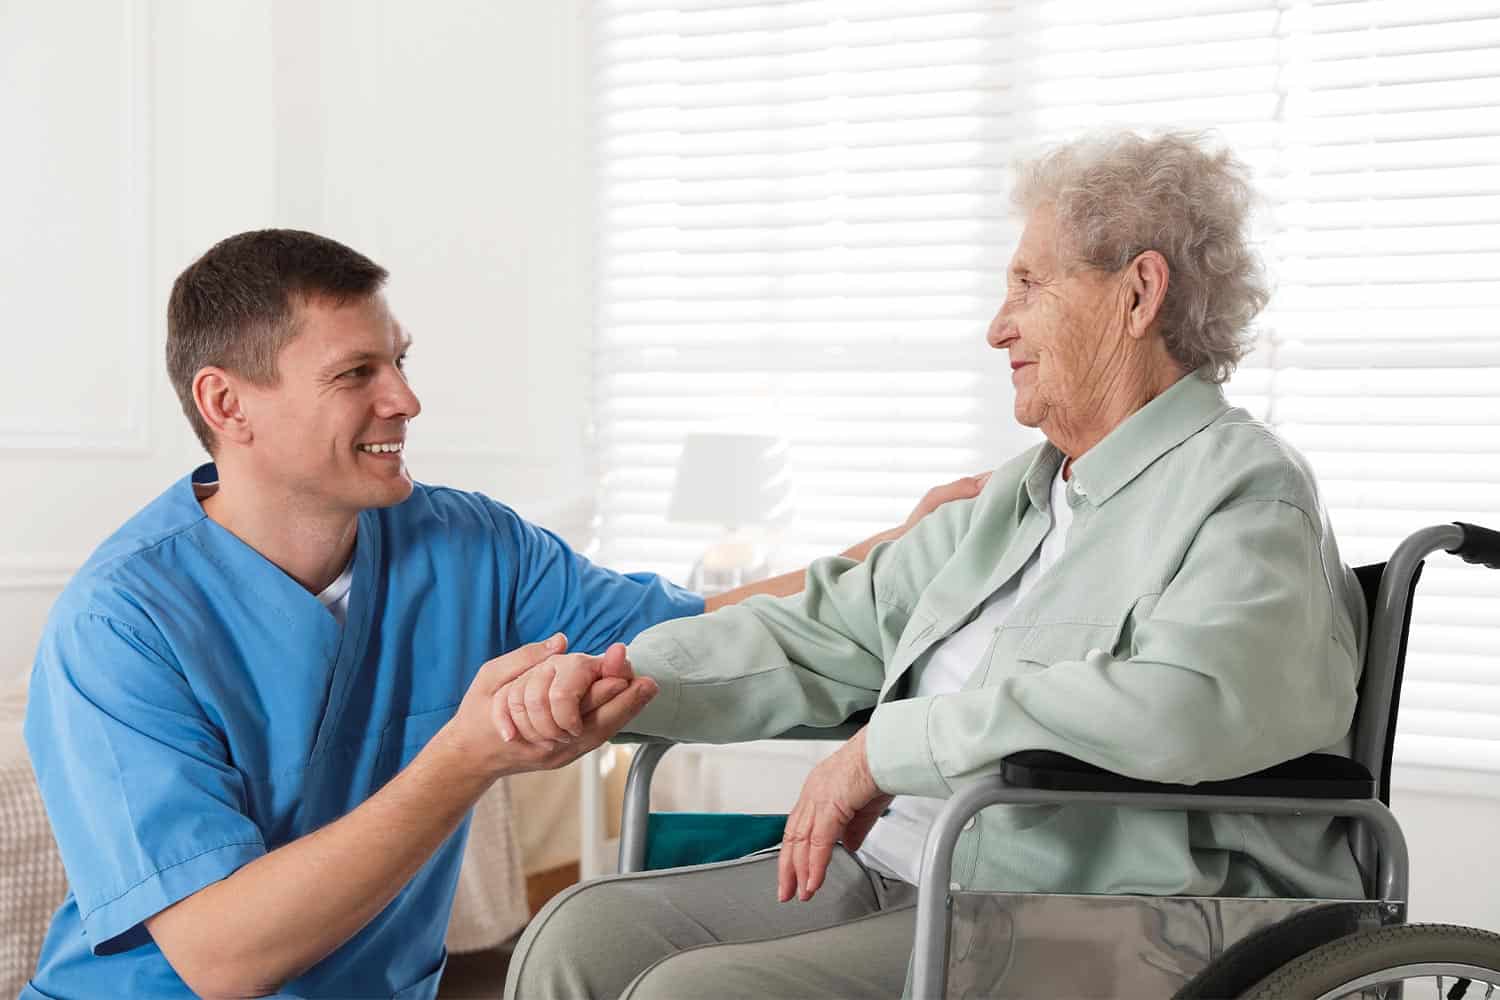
{"x": 398, "y": 399}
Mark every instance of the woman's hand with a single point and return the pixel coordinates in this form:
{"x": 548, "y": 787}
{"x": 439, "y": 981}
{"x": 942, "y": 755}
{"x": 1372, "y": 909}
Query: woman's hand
{"x": 839, "y": 803}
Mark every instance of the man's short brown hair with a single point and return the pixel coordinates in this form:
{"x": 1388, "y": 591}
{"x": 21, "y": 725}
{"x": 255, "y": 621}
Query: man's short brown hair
{"x": 233, "y": 308}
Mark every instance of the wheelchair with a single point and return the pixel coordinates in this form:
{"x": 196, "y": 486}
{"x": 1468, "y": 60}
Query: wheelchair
{"x": 1028, "y": 945}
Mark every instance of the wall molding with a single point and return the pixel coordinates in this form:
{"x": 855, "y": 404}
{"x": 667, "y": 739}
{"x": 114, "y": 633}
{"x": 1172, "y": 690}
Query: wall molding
{"x": 37, "y": 575}
{"x": 134, "y": 436}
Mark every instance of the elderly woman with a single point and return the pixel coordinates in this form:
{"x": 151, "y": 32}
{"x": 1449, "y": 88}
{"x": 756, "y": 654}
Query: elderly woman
{"x": 1154, "y": 589}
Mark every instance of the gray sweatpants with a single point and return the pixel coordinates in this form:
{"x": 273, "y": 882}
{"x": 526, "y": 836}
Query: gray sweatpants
{"x": 717, "y": 930}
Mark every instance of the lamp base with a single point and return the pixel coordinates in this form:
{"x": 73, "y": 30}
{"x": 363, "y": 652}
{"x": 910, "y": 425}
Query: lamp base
{"x": 732, "y": 562}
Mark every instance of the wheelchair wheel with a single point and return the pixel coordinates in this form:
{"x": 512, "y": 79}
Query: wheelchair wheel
{"x": 1408, "y": 962}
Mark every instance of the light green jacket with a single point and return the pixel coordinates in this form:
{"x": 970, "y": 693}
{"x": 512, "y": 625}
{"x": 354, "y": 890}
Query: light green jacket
{"x": 1199, "y": 624}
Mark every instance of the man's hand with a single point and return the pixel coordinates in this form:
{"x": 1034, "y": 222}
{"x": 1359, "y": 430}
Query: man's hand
{"x": 839, "y": 802}
{"x": 560, "y": 706}
{"x": 959, "y": 489}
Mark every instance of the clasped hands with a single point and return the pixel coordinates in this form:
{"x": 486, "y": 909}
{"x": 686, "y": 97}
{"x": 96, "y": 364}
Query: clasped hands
{"x": 547, "y": 707}
{"x": 562, "y": 703}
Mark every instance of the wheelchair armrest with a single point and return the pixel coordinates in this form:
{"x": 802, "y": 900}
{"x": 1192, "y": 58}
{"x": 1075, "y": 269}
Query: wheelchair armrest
{"x": 842, "y": 731}
{"x": 1314, "y": 776}
{"x": 633, "y": 819}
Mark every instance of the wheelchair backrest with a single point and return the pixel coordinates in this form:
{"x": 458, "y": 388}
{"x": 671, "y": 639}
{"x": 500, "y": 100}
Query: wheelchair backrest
{"x": 1380, "y": 680}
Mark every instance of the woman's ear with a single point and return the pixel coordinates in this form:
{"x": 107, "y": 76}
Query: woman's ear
{"x": 1148, "y": 276}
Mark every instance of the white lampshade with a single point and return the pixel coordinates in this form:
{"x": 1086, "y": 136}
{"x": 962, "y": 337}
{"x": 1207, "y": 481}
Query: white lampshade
{"x": 732, "y": 479}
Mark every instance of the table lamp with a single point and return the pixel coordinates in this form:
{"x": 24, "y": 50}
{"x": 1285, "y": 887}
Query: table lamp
{"x": 740, "y": 481}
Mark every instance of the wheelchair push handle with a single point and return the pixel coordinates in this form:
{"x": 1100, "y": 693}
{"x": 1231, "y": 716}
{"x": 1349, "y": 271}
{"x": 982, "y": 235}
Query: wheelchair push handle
{"x": 1479, "y": 545}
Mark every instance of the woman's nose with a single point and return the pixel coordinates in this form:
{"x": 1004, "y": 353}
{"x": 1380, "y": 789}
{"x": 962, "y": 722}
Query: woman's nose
{"x": 1002, "y": 329}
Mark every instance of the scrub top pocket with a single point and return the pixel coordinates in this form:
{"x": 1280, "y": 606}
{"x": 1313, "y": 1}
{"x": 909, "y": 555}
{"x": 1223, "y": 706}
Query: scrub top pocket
{"x": 404, "y": 739}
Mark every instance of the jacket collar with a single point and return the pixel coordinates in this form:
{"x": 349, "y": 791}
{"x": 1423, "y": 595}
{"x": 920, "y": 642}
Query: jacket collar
{"x": 1191, "y": 404}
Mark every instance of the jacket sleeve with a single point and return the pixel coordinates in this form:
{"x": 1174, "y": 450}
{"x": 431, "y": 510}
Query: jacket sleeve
{"x": 1238, "y": 664}
{"x": 755, "y": 669}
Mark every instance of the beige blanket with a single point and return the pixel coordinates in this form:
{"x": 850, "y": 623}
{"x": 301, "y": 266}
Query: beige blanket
{"x": 491, "y": 903}
{"x": 32, "y": 883}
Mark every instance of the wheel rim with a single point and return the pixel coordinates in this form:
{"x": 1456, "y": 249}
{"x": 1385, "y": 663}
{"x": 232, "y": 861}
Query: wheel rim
{"x": 1441, "y": 976}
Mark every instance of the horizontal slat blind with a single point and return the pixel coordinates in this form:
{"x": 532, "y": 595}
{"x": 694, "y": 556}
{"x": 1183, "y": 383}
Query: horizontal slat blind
{"x": 1384, "y": 368}
{"x": 804, "y": 227}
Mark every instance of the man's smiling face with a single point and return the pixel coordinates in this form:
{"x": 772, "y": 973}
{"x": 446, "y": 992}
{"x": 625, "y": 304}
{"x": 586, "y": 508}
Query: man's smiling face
{"x": 330, "y": 434}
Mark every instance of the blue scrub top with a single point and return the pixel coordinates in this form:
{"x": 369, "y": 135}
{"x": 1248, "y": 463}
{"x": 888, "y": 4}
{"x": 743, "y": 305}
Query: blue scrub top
{"x": 193, "y": 707}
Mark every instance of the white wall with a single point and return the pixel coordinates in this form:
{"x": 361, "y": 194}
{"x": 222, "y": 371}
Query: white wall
{"x": 101, "y": 190}
{"x": 450, "y": 142}
{"x": 1450, "y": 819}
{"x": 447, "y": 141}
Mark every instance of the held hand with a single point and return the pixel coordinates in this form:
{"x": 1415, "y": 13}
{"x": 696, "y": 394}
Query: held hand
{"x": 548, "y": 702}
{"x": 839, "y": 802}
{"x": 605, "y": 708}
{"x": 959, "y": 489}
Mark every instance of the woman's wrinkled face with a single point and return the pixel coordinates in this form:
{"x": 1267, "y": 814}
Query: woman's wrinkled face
{"x": 1062, "y": 327}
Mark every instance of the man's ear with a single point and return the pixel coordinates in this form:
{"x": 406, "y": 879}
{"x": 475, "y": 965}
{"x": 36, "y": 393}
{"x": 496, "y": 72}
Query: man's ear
{"x": 216, "y": 393}
{"x": 1146, "y": 276}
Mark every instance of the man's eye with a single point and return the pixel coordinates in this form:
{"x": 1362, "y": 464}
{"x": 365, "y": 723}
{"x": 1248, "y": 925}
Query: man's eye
{"x": 359, "y": 372}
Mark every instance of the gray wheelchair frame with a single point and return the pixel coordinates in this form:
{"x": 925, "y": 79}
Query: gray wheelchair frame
{"x": 1216, "y": 945}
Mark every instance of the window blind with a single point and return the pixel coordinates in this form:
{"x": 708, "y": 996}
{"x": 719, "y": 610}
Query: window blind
{"x": 804, "y": 225}
{"x": 1382, "y": 363}
{"x": 802, "y": 228}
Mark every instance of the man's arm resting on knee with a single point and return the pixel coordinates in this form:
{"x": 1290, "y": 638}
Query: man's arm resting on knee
{"x": 278, "y": 916}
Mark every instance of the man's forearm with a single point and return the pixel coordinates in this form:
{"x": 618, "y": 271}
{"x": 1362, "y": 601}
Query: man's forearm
{"x": 791, "y": 583}
{"x": 777, "y": 586}
{"x": 281, "y": 914}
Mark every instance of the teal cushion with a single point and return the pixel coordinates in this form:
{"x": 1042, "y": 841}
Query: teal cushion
{"x": 675, "y": 839}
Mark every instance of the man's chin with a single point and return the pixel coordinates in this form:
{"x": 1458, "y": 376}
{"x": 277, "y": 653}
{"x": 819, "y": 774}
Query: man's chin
{"x": 391, "y": 493}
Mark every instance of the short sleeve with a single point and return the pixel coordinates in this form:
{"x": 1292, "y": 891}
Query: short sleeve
{"x": 145, "y": 805}
{"x": 558, "y": 590}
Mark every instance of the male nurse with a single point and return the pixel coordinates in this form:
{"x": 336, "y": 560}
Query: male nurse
{"x": 261, "y": 712}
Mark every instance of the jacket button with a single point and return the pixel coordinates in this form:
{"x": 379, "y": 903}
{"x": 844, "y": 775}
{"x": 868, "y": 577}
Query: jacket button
{"x": 954, "y": 886}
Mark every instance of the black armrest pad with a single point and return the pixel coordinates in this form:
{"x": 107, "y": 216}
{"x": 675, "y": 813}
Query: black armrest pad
{"x": 1315, "y": 776}
{"x": 843, "y": 731}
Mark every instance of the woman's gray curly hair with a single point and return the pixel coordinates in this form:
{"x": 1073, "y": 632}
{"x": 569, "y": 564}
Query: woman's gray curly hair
{"x": 1118, "y": 195}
